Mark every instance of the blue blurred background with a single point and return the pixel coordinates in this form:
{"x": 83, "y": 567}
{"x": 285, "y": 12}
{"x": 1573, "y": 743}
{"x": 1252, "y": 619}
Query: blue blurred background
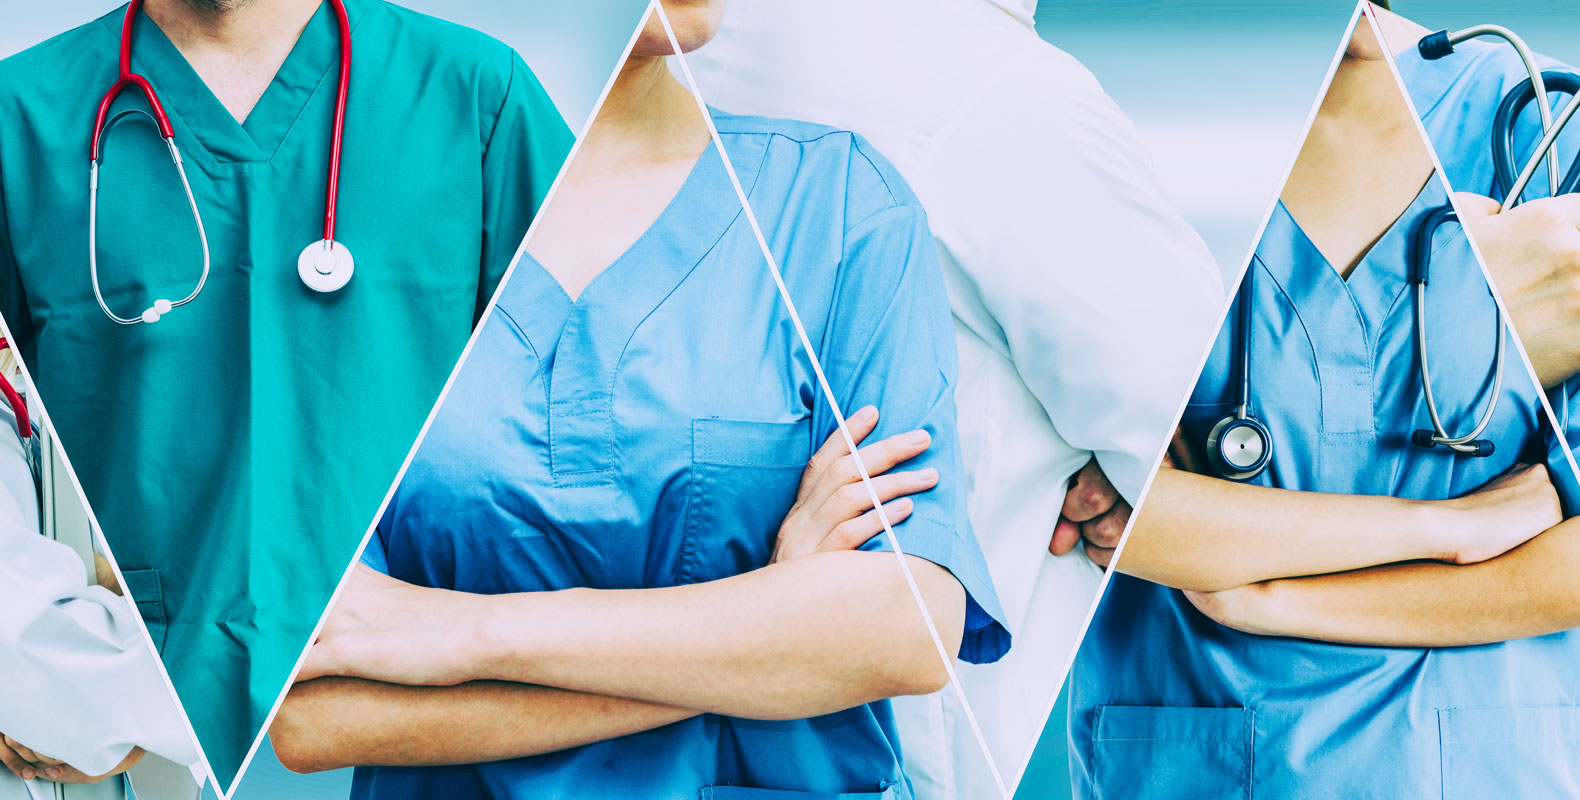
{"x": 1219, "y": 90}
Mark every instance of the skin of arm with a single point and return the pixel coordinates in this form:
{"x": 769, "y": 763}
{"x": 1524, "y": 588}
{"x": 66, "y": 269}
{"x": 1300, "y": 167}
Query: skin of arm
{"x": 1529, "y": 591}
{"x": 331, "y": 723}
{"x": 821, "y": 633}
{"x": 335, "y": 722}
{"x": 1191, "y": 521}
{"x": 795, "y": 639}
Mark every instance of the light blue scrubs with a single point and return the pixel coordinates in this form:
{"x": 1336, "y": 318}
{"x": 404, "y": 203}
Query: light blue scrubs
{"x": 1458, "y": 97}
{"x": 1166, "y": 703}
{"x": 653, "y": 433}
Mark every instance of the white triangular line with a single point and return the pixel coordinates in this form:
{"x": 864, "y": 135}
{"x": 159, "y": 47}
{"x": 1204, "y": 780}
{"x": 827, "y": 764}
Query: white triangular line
{"x": 488, "y": 311}
{"x": 1140, "y": 503}
{"x": 1508, "y": 321}
{"x": 839, "y": 416}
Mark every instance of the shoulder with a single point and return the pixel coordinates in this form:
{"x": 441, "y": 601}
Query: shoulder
{"x": 806, "y": 153}
{"x": 1488, "y": 68}
{"x": 442, "y": 48}
{"x": 68, "y": 57}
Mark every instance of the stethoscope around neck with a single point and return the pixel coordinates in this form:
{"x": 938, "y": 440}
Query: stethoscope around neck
{"x": 324, "y": 266}
{"x": 1240, "y": 446}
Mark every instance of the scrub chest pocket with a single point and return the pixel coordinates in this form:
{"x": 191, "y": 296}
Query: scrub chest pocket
{"x": 744, "y": 477}
{"x": 1510, "y": 752}
{"x": 1158, "y": 753}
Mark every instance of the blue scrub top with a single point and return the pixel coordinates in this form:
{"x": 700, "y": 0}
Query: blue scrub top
{"x": 1166, "y": 703}
{"x": 1457, "y": 97}
{"x": 653, "y": 433}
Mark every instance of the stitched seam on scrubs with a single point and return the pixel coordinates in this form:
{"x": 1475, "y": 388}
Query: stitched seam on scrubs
{"x": 626, "y": 345}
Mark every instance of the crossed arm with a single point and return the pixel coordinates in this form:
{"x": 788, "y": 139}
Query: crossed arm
{"x": 1492, "y": 566}
{"x": 411, "y": 676}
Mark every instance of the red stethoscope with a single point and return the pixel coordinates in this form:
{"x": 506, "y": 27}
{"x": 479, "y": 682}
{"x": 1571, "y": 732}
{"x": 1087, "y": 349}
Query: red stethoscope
{"x": 13, "y": 398}
{"x": 324, "y": 266}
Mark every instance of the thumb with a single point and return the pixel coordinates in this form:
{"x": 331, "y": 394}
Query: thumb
{"x": 1476, "y": 206}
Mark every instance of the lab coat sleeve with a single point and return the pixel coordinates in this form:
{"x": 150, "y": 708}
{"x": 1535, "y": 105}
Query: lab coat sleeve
{"x": 527, "y": 142}
{"x": 81, "y": 684}
{"x": 1105, "y": 297}
{"x": 890, "y": 344}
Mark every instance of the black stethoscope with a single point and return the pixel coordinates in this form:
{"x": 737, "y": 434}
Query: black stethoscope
{"x": 1240, "y": 446}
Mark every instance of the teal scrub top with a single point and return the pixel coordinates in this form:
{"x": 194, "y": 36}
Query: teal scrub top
{"x": 1167, "y": 703}
{"x": 236, "y": 451}
{"x": 1457, "y": 97}
{"x": 653, "y": 433}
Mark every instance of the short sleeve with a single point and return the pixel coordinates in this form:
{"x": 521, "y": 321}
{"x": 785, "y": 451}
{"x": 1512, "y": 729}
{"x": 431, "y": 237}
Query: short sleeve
{"x": 523, "y": 154}
{"x": 890, "y": 344}
{"x": 376, "y": 553}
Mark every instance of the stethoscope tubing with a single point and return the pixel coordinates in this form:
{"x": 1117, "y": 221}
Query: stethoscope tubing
{"x": 103, "y": 122}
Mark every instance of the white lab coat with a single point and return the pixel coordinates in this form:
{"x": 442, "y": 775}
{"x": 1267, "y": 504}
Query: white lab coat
{"x": 1082, "y": 301}
{"x": 79, "y": 681}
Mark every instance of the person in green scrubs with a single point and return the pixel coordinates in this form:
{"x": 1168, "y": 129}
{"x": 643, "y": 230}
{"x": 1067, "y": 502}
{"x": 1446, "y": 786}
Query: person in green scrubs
{"x": 236, "y": 451}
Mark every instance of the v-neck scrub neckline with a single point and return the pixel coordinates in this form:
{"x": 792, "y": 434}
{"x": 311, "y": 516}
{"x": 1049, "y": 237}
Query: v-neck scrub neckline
{"x": 235, "y": 451}
{"x": 310, "y": 69}
{"x": 653, "y": 434}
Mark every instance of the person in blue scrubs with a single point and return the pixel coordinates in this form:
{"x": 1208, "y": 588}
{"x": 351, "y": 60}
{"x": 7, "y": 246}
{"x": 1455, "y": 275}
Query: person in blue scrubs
{"x": 611, "y": 550}
{"x": 1366, "y": 617}
{"x": 1533, "y": 250}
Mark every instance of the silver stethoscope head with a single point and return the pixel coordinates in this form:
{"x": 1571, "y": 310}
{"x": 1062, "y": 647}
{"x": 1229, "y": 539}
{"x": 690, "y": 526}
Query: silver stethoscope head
{"x": 160, "y": 306}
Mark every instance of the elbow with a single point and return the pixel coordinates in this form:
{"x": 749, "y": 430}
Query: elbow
{"x": 295, "y": 736}
{"x": 919, "y": 668}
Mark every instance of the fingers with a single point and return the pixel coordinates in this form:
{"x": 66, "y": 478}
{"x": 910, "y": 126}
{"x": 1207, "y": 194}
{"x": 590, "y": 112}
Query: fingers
{"x": 852, "y": 534}
{"x": 1108, "y": 529}
{"x": 1091, "y": 495}
{"x": 1473, "y": 205}
{"x": 860, "y": 424}
{"x": 1101, "y": 556}
{"x": 852, "y": 499}
{"x": 19, "y": 767}
{"x": 1066, "y": 535}
{"x": 877, "y": 458}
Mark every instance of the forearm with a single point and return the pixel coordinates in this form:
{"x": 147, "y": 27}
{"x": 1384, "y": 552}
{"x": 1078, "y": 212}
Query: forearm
{"x": 330, "y": 723}
{"x": 800, "y": 638}
{"x": 1530, "y": 591}
{"x": 1207, "y": 534}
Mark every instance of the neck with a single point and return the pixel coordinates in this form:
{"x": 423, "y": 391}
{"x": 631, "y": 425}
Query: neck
{"x": 1366, "y": 99}
{"x": 234, "y": 26}
{"x": 647, "y": 115}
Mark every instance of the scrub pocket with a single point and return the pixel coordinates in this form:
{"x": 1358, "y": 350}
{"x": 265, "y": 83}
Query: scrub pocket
{"x": 1510, "y": 752}
{"x": 144, "y": 587}
{"x": 1155, "y": 753}
{"x": 744, "y": 793}
{"x": 743, "y": 479}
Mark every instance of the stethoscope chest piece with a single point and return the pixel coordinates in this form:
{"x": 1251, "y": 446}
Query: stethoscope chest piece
{"x": 1240, "y": 446}
{"x": 325, "y": 266}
